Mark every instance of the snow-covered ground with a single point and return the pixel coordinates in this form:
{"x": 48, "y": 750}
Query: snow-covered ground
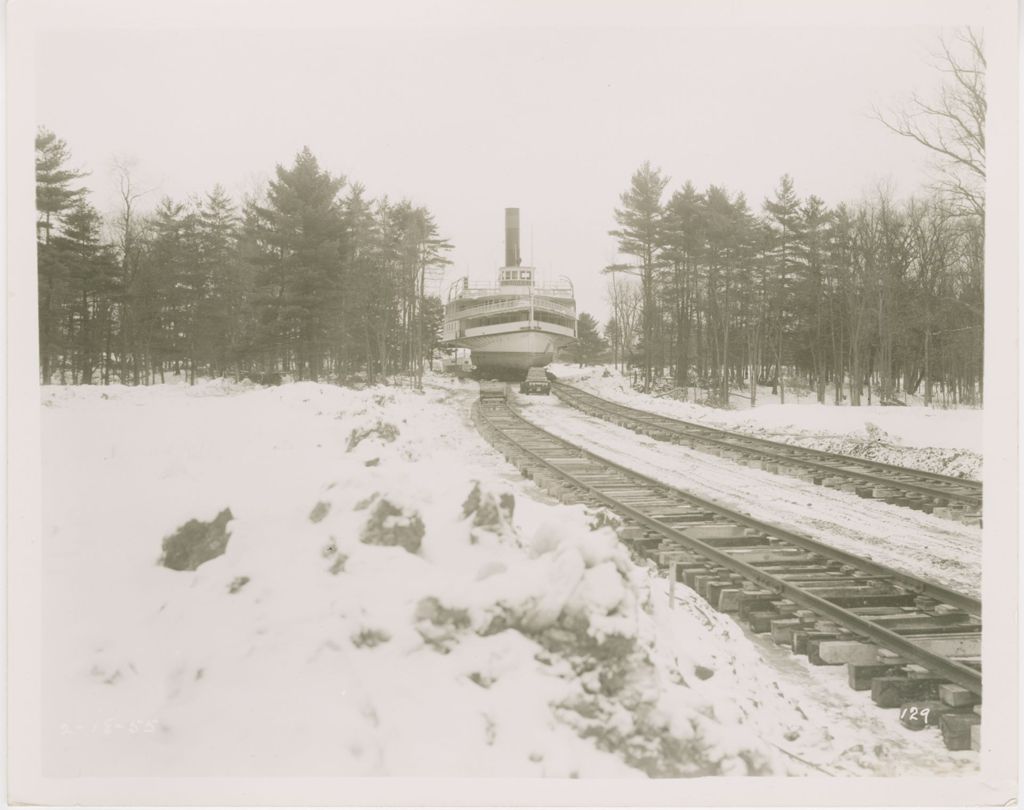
{"x": 946, "y": 441}
{"x": 494, "y": 636}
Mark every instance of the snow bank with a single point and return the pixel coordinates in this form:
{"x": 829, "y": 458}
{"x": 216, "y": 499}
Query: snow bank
{"x": 390, "y": 601}
{"x": 932, "y": 439}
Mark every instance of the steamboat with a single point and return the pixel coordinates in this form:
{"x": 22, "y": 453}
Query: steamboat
{"x": 514, "y": 325}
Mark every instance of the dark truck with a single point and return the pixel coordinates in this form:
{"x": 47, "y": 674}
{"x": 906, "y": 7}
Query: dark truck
{"x": 536, "y": 382}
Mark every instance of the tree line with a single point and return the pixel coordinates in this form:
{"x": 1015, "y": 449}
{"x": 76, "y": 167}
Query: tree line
{"x": 308, "y": 277}
{"x": 880, "y": 297}
{"x": 870, "y": 300}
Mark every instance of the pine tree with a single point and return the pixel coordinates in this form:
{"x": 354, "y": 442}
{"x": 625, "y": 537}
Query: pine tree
{"x": 300, "y": 232}
{"x": 91, "y": 280}
{"x": 810, "y": 294}
{"x": 784, "y": 218}
{"x": 432, "y": 325}
{"x": 56, "y": 198}
{"x": 430, "y": 249}
{"x": 589, "y": 344}
{"x": 683, "y": 240}
{"x": 221, "y": 319}
{"x": 356, "y": 339}
{"x": 640, "y": 235}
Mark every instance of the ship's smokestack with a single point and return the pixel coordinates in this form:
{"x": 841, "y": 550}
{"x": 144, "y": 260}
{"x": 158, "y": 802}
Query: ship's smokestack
{"x": 512, "y": 237}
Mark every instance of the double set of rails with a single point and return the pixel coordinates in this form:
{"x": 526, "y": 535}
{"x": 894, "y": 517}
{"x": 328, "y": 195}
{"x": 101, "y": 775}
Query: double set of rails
{"x": 914, "y": 643}
{"x": 945, "y": 496}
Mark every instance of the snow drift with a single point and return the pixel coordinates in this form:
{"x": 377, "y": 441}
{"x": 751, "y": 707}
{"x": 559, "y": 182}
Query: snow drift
{"x": 391, "y": 600}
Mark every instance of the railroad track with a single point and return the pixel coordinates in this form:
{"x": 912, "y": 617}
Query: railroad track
{"x": 914, "y": 643}
{"x": 944, "y": 496}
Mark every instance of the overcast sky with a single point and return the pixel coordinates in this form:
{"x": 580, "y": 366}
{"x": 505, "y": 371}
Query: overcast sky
{"x": 550, "y": 117}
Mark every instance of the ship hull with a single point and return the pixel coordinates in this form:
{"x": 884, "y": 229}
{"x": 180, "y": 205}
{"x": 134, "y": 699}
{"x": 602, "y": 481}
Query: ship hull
{"x": 513, "y": 351}
{"x": 511, "y": 361}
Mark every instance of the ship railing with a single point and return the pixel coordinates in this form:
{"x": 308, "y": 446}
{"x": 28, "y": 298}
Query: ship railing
{"x": 496, "y": 289}
{"x": 516, "y": 303}
{"x": 493, "y": 306}
{"x": 544, "y": 302}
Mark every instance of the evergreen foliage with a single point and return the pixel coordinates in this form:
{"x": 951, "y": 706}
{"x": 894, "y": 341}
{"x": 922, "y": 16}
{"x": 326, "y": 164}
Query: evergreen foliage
{"x": 309, "y": 278}
{"x": 641, "y": 234}
{"x": 589, "y": 344}
{"x": 881, "y": 298}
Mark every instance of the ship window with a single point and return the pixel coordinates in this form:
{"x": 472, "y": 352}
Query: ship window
{"x": 550, "y": 317}
{"x": 494, "y": 320}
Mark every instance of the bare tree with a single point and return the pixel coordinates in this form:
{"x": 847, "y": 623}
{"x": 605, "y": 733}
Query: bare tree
{"x": 127, "y": 227}
{"x": 953, "y": 125}
{"x": 626, "y": 299}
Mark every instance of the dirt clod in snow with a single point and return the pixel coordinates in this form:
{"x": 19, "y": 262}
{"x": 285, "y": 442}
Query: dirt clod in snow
{"x": 196, "y": 542}
{"x": 383, "y": 430}
{"x": 438, "y": 624}
{"x": 370, "y": 637}
{"x": 319, "y": 512}
{"x": 489, "y": 511}
{"x": 338, "y": 566}
{"x": 391, "y": 525}
{"x": 237, "y": 584}
{"x": 603, "y": 517}
{"x": 481, "y": 680}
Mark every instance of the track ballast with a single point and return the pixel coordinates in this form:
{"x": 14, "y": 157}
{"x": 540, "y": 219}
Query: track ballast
{"x": 914, "y": 643}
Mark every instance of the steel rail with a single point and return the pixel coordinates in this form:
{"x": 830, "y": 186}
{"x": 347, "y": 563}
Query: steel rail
{"x": 786, "y": 452}
{"x": 609, "y": 404}
{"x": 902, "y": 645}
{"x": 917, "y": 585}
